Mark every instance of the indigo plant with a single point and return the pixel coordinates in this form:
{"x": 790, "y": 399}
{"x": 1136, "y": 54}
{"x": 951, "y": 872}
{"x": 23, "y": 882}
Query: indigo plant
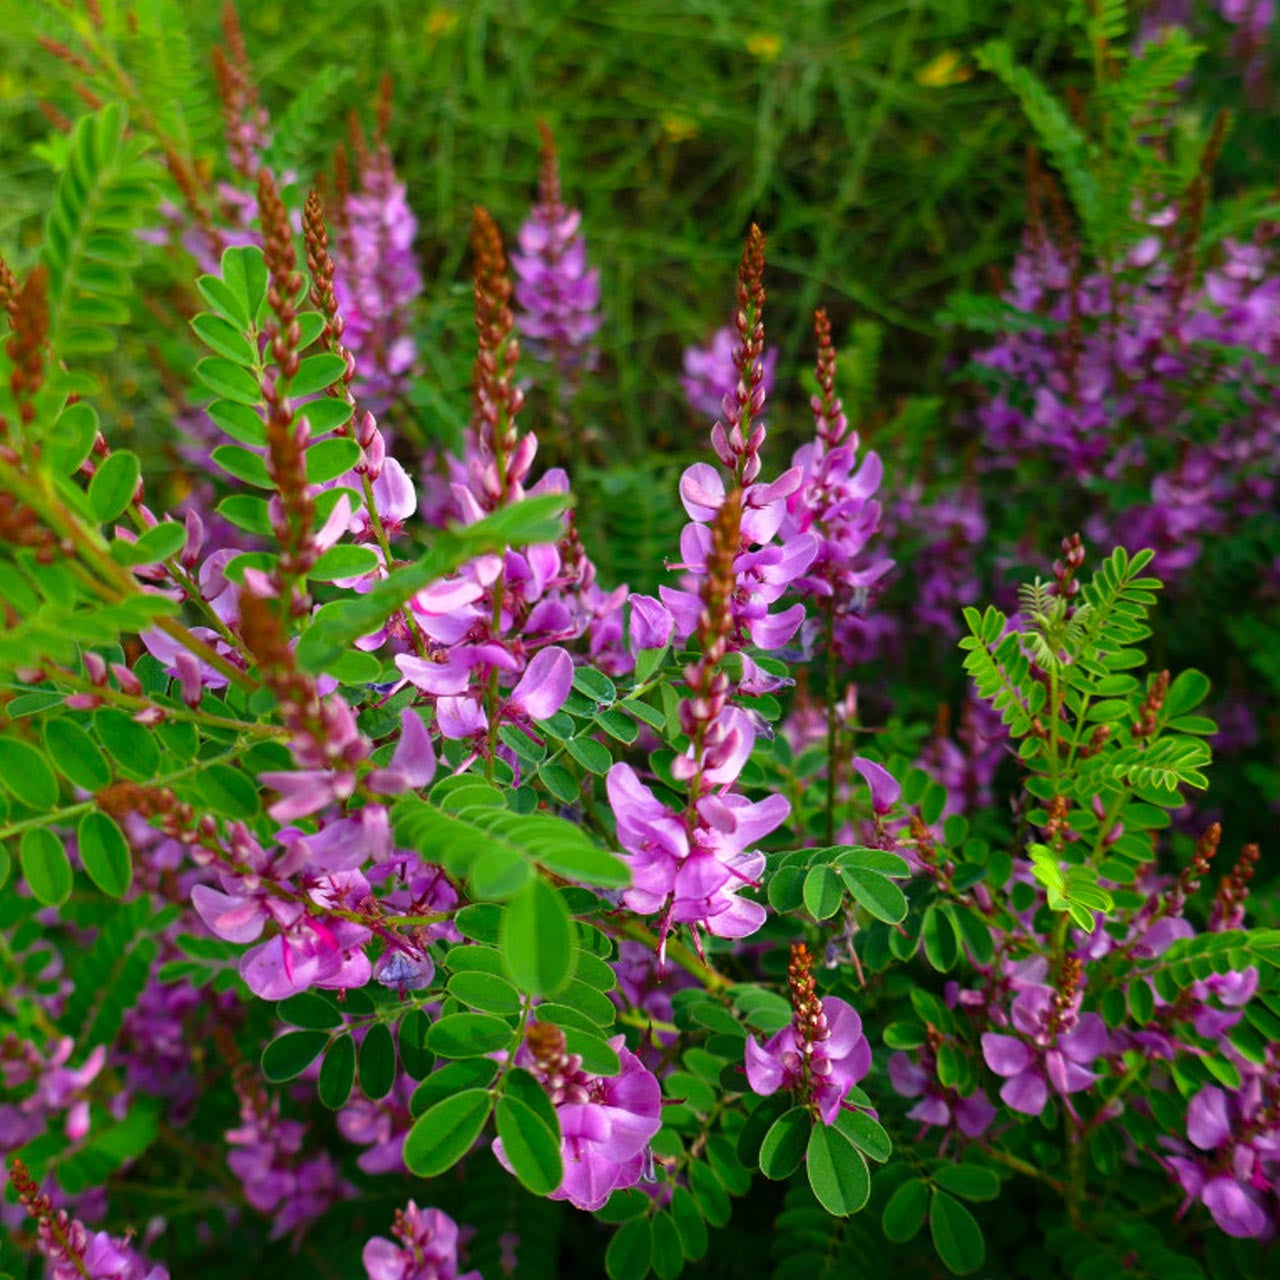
{"x": 386, "y": 892}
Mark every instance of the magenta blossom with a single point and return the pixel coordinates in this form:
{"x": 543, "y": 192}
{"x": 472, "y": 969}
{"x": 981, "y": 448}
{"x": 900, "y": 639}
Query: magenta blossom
{"x": 1057, "y": 1048}
{"x": 710, "y": 373}
{"x": 972, "y": 1115}
{"x": 607, "y": 1122}
{"x": 825, "y": 1068}
{"x": 427, "y": 1248}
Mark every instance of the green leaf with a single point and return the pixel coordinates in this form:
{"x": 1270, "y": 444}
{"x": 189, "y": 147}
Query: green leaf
{"x": 956, "y": 1235}
{"x": 113, "y": 485}
{"x": 689, "y": 1223}
{"x": 229, "y": 381}
{"x": 441, "y": 1136}
{"x": 338, "y": 1072}
{"x": 837, "y": 1172}
{"x": 328, "y": 459}
{"x": 823, "y": 892}
{"x": 415, "y": 1057}
{"x": 377, "y": 1062}
{"x": 469, "y": 1073}
{"x": 76, "y": 755}
{"x": 969, "y": 1181}
{"x": 668, "y": 1257}
{"x": 244, "y": 270}
{"x": 532, "y": 1148}
{"x": 244, "y": 465}
{"x": 536, "y": 939}
{"x": 72, "y": 439}
{"x": 228, "y": 791}
{"x": 130, "y": 746}
{"x": 941, "y": 948}
{"x": 344, "y": 561}
{"x": 309, "y": 1010}
{"x": 468, "y": 1035}
{"x": 225, "y": 301}
{"x": 159, "y": 543}
{"x": 289, "y": 1055}
{"x": 876, "y": 893}
{"x": 630, "y": 1252}
{"x": 105, "y": 853}
{"x": 867, "y": 1134}
{"x": 239, "y": 421}
{"x": 522, "y": 1086}
{"x": 246, "y": 512}
{"x": 327, "y": 414}
{"x": 222, "y": 336}
{"x": 45, "y": 866}
{"x": 758, "y": 1123}
{"x": 316, "y": 373}
{"x": 485, "y": 991}
{"x": 784, "y": 1145}
{"x": 26, "y": 774}
{"x": 593, "y": 756}
{"x": 904, "y": 1214}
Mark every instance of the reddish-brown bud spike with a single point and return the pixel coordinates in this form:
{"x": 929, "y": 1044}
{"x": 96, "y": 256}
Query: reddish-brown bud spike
{"x": 54, "y": 116}
{"x": 385, "y": 95}
{"x": 26, "y": 348}
{"x": 549, "y": 192}
{"x": 356, "y": 139}
{"x": 8, "y": 290}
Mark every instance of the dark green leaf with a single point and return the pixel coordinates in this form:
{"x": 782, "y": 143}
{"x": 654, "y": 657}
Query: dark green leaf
{"x": 823, "y": 892}
{"x": 468, "y": 1035}
{"x": 867, "y": 1134}
{"x": 877, "y": 893}
{"x": 415, "y": 1057}
{"x": 784, "y": 1145}
{"x": 630, "y": 1252}
{"x": 969, "y": 1181}
{"x": 668, "y": 1257}
{"x": 904, "y": 1214}
{"x": 26, "y": 774}
{"x": 485, "y": 991}
{"x": 537, "y": 939}
{"x": 940, "y": 946}
{"x": 337, "y": 1073}
{"x": 956, "y": 1235}
{"x": 532, "y": 1148}
{"x": 470, "y": 1073}
{"x": 130, "y": 746}
{"x": 289, "y": 1055}
{"x": 837, "y": 1171}
{"x": 441, "y": 1136}
{"x": 377, "y": 1061}
{"x": 308, "y": 1010}
{"x": 689, "y": 1223}
{"x": 521, "y": 1085}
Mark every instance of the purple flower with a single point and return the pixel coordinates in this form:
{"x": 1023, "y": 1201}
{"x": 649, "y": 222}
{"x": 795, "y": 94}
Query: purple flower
{"x": 822, "y": 1069}
{"x": 606, "y": 1122}
{"x": 1058, "y": 1047}
{"x": 972, "y": 1115}
{"x": 377, "y": 281}
{"x": 427, "y": 1248}
{"x": 558, "y": 294}
{"x": 885, "y": 788}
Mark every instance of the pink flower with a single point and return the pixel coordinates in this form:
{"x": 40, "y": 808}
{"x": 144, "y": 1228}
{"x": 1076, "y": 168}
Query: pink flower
{"x": 606, "y": 1122}
{"x": 825, "y": 1069}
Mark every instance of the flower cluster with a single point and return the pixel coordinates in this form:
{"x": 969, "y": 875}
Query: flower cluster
{"x": 606, "y": 1122}
{"x": 820, "y": 1055}
{"x": 557, "y": 293}
{"x": 425, "y": 1248}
